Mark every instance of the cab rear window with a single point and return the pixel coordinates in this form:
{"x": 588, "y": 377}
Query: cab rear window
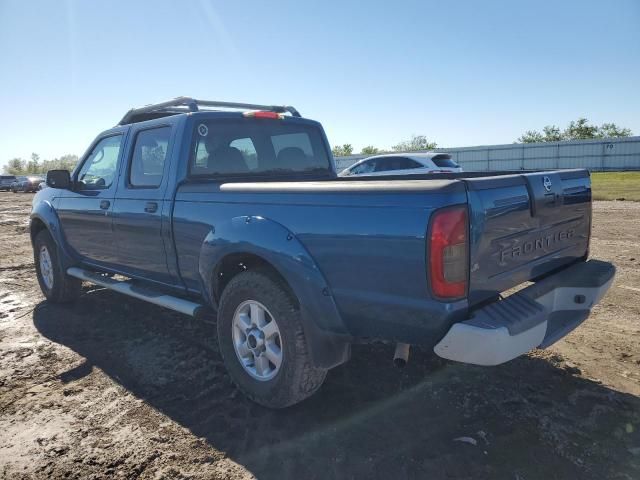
{"x": 256, "y": 147}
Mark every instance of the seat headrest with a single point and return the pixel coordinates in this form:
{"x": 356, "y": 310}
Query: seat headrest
{"x": 227, "y": 160}
{"x": 291, "y": 157}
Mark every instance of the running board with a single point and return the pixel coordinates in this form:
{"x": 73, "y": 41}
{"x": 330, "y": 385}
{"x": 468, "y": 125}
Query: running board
{"x": 142, "y": 293}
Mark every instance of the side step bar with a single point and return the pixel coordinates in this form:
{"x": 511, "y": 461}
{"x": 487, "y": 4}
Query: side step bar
{"x": 142, "y": 293}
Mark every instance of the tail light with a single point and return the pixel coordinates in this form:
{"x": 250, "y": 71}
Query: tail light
{"x": 448, "y": 253}
{"x": 264, "y": 114}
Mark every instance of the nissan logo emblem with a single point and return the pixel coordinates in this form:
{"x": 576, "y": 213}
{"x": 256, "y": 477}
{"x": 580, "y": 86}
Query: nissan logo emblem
{"x": 546, "y": 181}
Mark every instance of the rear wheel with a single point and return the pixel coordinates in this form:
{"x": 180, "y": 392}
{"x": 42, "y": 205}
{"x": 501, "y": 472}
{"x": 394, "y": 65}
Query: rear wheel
{"x": 55, "y": 284}
{"x": 262, "y": 341}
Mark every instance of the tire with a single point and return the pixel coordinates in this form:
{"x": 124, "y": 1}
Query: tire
{"x": 295, "y": 379}
{"x": 55, "y": 284}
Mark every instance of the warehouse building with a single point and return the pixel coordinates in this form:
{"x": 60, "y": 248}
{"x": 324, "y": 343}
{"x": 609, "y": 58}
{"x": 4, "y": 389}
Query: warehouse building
{"x": 614, "y": 154}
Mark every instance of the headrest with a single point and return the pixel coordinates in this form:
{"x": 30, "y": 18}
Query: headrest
{"x": 227, "y": 160}
{"x": 291, "y": 157}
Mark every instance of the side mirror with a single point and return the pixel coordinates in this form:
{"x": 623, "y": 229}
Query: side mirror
{"x": 59, "y": 179}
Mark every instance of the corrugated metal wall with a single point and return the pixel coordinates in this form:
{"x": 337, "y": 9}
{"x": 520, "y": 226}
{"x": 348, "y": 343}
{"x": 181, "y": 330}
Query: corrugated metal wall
{"x": 603, "y": 154}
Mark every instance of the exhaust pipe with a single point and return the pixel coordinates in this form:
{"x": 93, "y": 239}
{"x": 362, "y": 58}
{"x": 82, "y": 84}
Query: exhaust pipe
{"x": 401, "y": 355}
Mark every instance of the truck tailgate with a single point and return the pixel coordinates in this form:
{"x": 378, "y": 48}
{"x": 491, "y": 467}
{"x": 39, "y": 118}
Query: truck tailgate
{"x": 524, "y": 226}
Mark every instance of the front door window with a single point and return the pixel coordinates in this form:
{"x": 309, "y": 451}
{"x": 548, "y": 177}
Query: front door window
{"x": 99, "y": 169}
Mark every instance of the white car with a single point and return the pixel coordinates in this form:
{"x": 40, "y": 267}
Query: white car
{"x": 402, "y": 164}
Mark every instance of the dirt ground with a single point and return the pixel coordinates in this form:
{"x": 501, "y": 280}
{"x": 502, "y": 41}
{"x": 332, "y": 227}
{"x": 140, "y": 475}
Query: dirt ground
{"x": 113, "y": 387}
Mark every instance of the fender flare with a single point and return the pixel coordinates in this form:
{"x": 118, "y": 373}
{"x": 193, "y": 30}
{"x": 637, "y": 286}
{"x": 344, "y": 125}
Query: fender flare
{"x": 326, "y": 334}
{"x": 46, "y": 213}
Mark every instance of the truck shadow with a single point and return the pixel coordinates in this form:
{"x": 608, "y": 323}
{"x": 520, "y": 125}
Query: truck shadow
{"x": 531, "y": 418}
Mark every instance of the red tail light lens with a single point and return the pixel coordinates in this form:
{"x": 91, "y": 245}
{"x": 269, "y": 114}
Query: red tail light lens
{"x": 264, "y": 114}
{"x": 448, "y": 253}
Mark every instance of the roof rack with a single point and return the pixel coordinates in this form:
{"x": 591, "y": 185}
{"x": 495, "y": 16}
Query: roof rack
{"x": 188, "y": 104}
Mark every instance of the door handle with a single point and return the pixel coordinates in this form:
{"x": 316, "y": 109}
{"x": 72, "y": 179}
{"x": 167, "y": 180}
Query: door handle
{"x": 151, "y": 207}
{"x": 105, "y": 204}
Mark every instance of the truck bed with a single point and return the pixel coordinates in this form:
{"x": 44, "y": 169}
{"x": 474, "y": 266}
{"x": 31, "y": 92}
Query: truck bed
{"x": 368, "y": 237}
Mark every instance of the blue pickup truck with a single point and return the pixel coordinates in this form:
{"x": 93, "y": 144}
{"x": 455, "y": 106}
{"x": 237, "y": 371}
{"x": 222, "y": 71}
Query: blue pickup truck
{"x": 237, "y": 209}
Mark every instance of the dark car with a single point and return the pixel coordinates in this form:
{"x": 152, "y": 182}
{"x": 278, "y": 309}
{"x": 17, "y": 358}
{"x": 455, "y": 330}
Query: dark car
{"x": 6, "y": 181}
{"x": 26, "y": 184}
{"x": 242, "y": 213}
{"x": 16, "y": 185}
{"x": 32, "y": 184}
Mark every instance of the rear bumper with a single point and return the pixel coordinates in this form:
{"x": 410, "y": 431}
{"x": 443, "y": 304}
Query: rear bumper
{"x": 535, "y": 317}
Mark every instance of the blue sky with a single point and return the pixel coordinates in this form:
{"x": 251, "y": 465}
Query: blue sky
{"x": 459, "y": 72}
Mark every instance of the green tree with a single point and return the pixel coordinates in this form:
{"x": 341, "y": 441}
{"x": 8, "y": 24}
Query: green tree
{"x": 552, "y": 133}
{"x": 611, "y": 130}
{"x": 369, "y": 150}
{"x": 18, "y": 166}
{"x": 579, "y": 129}
{"x": 342, "y": 150}
{"x": 67, "y": 162}
{"x": 15, "y": 166}
{"x": 33, "y": 165}
{"x": 415, "y": 143}
{"x": 531, "y": 136}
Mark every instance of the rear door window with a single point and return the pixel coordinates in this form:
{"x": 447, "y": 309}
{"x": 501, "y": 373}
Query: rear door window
{"x": 384, "y": 164}
{"x": 409, "y": 164}
{"x": 149, "y": 156}
{"x": 396, "y": 163}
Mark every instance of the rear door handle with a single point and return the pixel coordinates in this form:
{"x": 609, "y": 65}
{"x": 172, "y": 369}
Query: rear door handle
{"x": 151, "y": 207}
{"x": 105, "y": 204}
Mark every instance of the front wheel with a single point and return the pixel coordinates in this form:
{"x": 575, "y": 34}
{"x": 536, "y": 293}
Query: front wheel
{"x": 56, "y": 285}
{"x": 262, "y": 341}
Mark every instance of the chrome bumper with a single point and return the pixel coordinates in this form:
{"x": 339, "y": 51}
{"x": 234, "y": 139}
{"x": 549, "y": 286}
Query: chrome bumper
{"x": 534, "y": 317}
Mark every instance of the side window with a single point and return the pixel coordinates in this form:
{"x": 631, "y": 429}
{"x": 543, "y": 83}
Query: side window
{"x": 149, "y": 155}
{"x": 365, "y": 167}
{"x": 406, "y": 164}
{"x": 384, "y": 164}
{"x": 396, "y": 163}
{"x": 248, "y": 151}
{"x": 99, "y": 169}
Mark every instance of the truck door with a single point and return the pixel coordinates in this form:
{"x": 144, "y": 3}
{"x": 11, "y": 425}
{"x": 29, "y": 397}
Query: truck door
{"x": 141, "y": 212}
{"x": 85, "y": 212}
